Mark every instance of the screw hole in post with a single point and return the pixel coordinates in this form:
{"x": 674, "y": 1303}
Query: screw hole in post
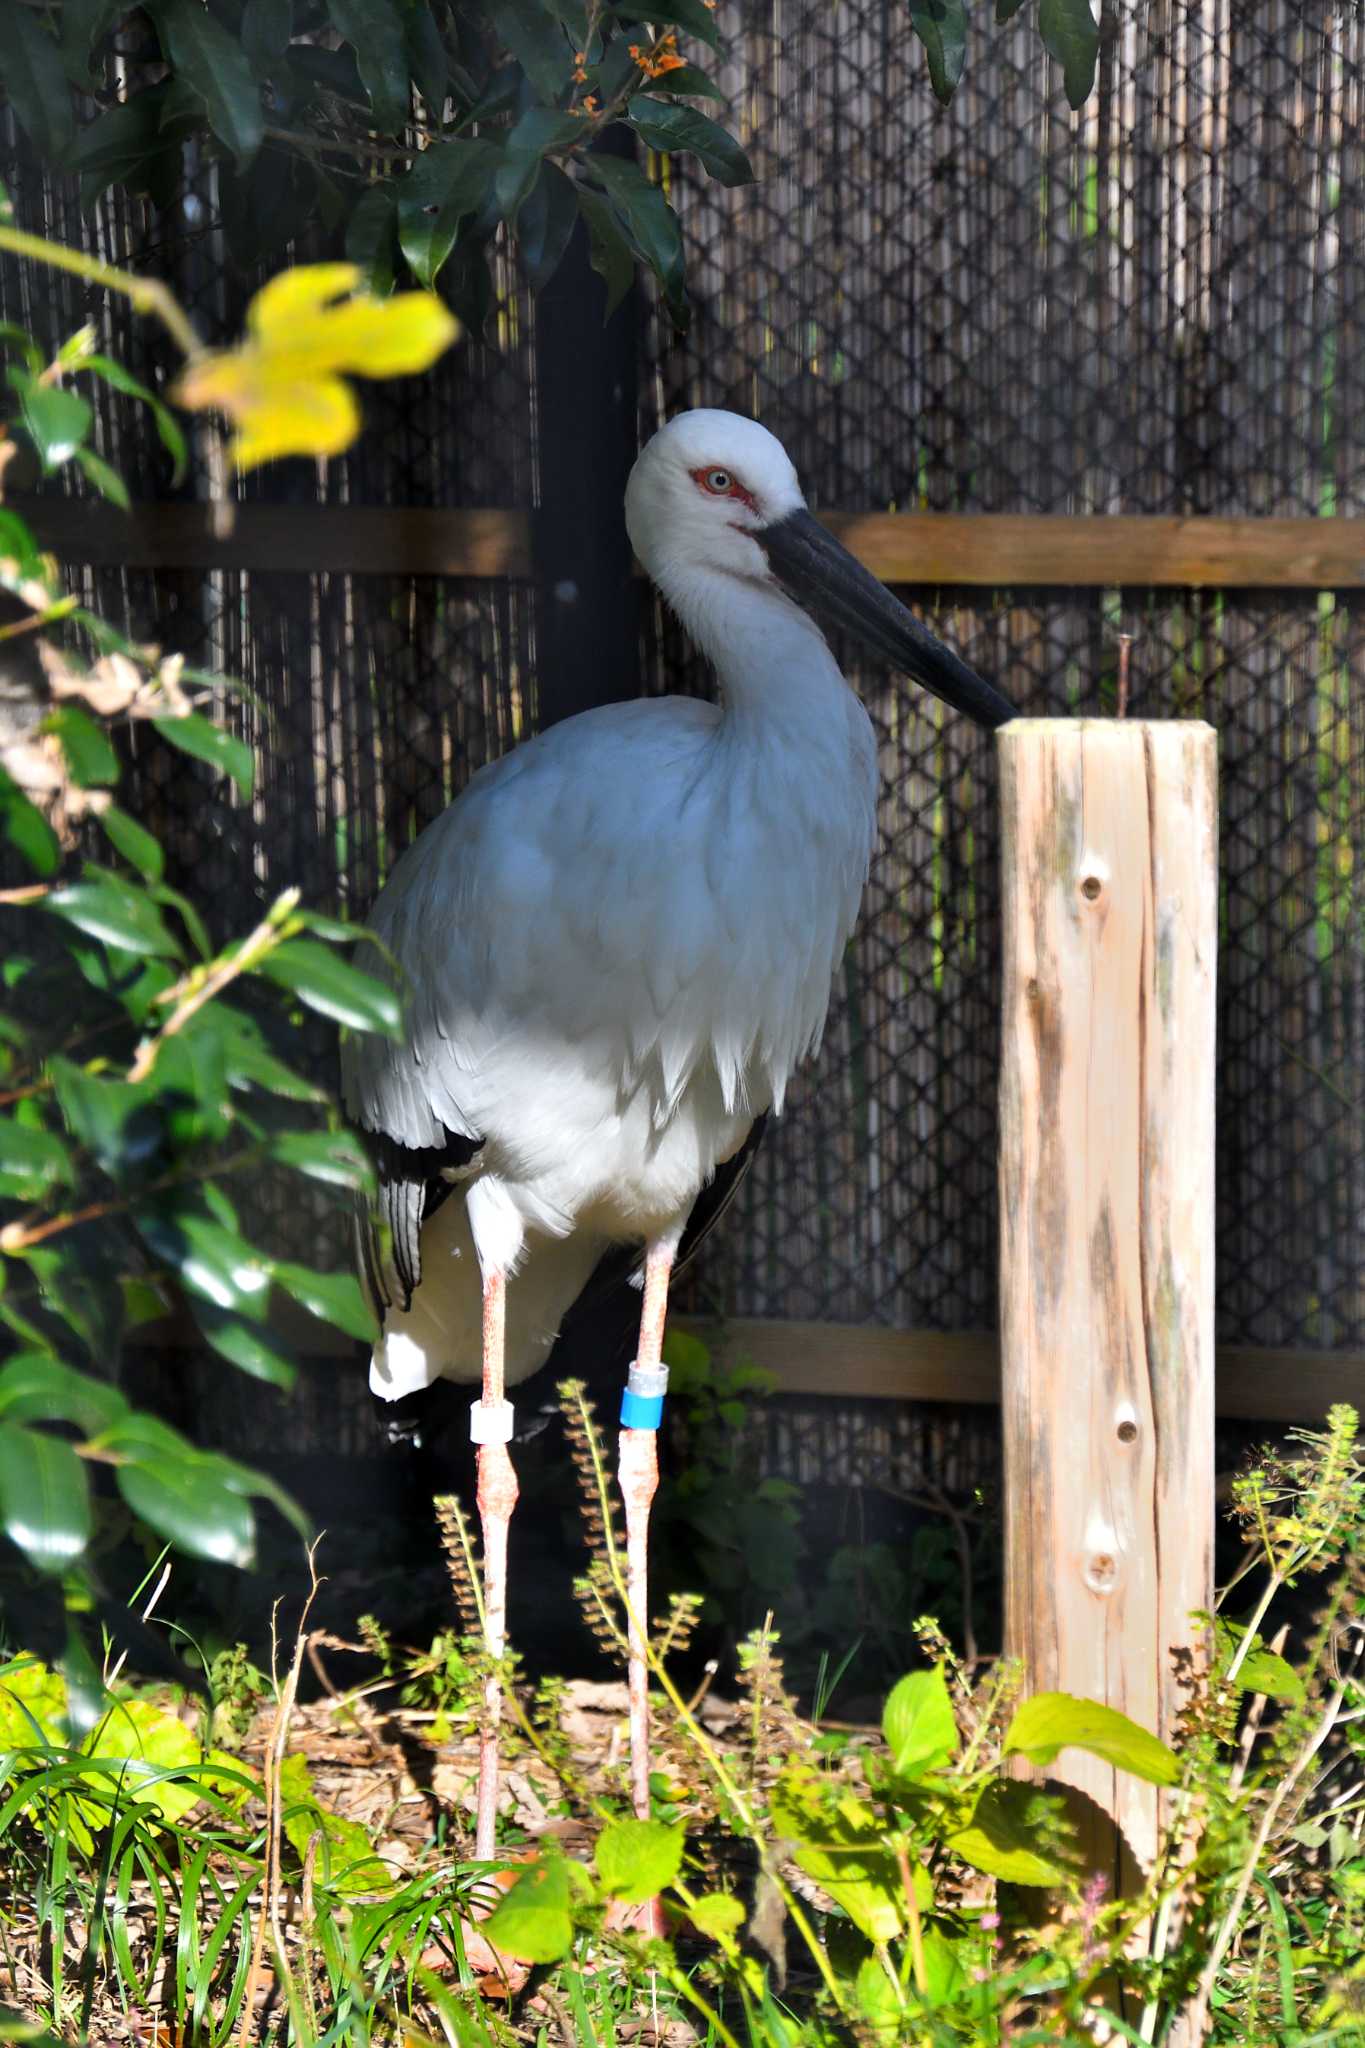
{"x": 1091, "y": 887}
{"x": 1127, "y": 1432}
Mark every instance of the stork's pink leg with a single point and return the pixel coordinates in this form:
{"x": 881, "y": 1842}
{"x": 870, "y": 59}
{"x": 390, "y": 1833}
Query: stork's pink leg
{"x": 490, "y": 1426}
{"x": 638, "y": 1474}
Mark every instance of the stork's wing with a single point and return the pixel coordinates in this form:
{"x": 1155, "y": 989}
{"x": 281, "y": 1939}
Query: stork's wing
{"x": 413, "y": 1183}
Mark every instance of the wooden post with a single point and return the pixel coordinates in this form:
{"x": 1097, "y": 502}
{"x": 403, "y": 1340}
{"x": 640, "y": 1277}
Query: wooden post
{"x": 1106, "y": 1202}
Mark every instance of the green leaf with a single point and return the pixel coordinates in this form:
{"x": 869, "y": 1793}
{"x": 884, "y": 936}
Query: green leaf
{"x": 1005, "y": 10}
{"x": 335, "y": 1157}
{"x": 267, "y": 26}
{"x": 1260, "y": 1670}
{"x": 1002, "y": 1836}
{"x": 428, "y": 64}
{"x": 941, "y": 26}
{"x": 343, "y": 1859}
{"x": 199, "y": 736}
{"x": 1071, "y": 35}
{"x": 534, "y": 1922}
{"x": 85, "y": 745}
{"x": 636, "y": 1858}
{"x": 38, "y": 1387}
{"x": 85, "y": 23}
{"x": 919, "y": 1724}
{"x": 177, "y": 1498}
{"x": 35, "y": 84}
{"x": 212, "y": 63}
{"x": 651, "y": 223}
{"x": 334, "y": 989}
{"x": 665, "y": 125}
{"x": 448, "y": 182}
{"x": 609, "y": 252}
{"x": 55, "y": 419}
{"x": 247, "y": 1345}
{"x": 251, "y": 1063}
{"x": 1053, "y": 1721}
{"x": 372, "y": 238}
{"x": 44, "y": 1501}
{"x": 693, "y": 16}
{"x": 117, "y": 378}
{"x": 32, "y": 1162}
{"x": 688, "y": 83}
{"x": 104, "y": 477}
{"x": 333, "y": 1297}
{"x": 134, "y": 842}
{"x": 147, "y": 1741}
{"x": 26, "y": 829}
{"x": 545, "y": 223}
{"x": 717, "y": 1914}
{"x": 532, "y": 32}
{"x": 125, "y": 145}
{"x": 118, "y": 1122}
{"x": 120, "y": 914}
{"x": 838, "y": 1842}
{"x": 374, "y": 29}
{"x": 211, "y": 1260}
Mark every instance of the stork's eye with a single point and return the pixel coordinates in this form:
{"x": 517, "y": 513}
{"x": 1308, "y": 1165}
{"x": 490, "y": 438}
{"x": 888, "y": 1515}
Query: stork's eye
{"x": 720, "y": 481}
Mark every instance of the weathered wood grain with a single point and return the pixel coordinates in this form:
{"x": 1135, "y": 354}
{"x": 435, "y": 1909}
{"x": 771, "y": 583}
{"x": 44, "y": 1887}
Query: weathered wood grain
{"x": 925, "y": 549}
{"x": 1106, "y": 1185}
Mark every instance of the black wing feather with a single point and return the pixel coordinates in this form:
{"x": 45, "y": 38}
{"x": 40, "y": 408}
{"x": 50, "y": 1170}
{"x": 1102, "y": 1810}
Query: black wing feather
{"x": 413, "y": 1182}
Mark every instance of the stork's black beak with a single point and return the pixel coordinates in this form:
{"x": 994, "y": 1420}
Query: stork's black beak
{"x": 833, "y": 586}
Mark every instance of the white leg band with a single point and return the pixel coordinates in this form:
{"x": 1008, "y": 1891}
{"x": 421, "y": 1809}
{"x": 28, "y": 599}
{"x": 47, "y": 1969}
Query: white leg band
{"x": 491, "y": 1424}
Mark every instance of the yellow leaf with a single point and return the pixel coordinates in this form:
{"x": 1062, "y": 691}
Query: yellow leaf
{"x": 281, "y": 387}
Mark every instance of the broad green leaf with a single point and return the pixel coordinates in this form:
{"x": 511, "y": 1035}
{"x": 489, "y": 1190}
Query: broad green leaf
{"x": 211, "y": 1260}
{"x": 636, "y": 1858}
{"x": 427, "y": 60}
{"x": 37, "y": 1387}
{"x": 941, "y": 26}
{"x": 692, "y": 16}
{"x": 104, "y": 477}
{"x": 26, "y": 829}
{"x": 1002, "y": 1836}
{"x": 343, "y": 1859}
{"x": 212, "y": 63}
{"x": 85, "y": 23}
{"x": 651, "y": 224}
{"x": 666, "y": 125}
{"x": 35, "y": 84}
{"x": 178, "y": 1498}
{"x": 547, "y": 219}
{"x": 335, "y": 1157}
{"x": 918, "y": 1723}
{"x": 372, "y": 238}
{"x": 249, "y": 1346}
{"x": 251, "y": 1063}
{"x": 1005, "y": 10}
{"x": 447, "y": 183}
{"x": 608, "y": 250}
{"x": 32, "y": 1161}
{"x": 32, "y": 1705}
{"x": 534, "y": 1922}
{"x": 333, "y": 988}
{"x": 374, "y": 29}
{"x": 1053, "y": 1721}
{"x": 199, "y": 736}
{"x": 85, "y": 745}
{"x": 1260, "y": 1670}
{"x": 717, "y": 1914}
{"x": 44, "y": 1501}
{"x": 267, "y": 26}
{"x": 126, "y": 145}
{"x": 333, "y": 1297}
{"x": 118, "y": 1122}
{"x": 119, "y": 914}
{"x": 146, "y": 1740}
{"x": 1071, "y": 35}
{"x": 134, "y": 842}
{"x": 112, "y": 373}
{"x": 532, "y": 32}
{"x": 837, "y": 1840}
{"x": 57, "y": 420}
{"x": 688, "y": 83}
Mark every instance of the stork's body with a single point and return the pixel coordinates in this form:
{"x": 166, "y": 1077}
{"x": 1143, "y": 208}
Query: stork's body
{"x": 619, "y": 943}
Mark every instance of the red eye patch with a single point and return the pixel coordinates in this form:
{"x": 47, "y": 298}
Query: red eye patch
{"x": 718, "y": 482}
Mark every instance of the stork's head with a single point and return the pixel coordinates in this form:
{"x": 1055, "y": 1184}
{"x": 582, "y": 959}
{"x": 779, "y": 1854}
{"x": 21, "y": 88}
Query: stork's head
{"x": 713, "y": 494}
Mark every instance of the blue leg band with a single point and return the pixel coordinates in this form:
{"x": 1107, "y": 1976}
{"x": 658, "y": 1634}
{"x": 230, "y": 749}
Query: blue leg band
{"x": 642, "y": 1403}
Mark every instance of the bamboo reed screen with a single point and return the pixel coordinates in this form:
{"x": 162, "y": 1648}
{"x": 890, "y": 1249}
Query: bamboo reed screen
{"x": 1157, "y": 306}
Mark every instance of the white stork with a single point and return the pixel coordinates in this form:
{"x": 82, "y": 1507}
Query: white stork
{"x": 617, "y": 945}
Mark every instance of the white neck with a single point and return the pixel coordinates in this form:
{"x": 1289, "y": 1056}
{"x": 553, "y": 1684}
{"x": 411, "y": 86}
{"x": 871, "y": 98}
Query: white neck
{"x": 776, "y": 673}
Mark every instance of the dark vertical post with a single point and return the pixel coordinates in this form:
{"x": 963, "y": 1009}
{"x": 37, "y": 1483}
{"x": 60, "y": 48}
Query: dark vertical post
{"x": 588, "y": 600}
